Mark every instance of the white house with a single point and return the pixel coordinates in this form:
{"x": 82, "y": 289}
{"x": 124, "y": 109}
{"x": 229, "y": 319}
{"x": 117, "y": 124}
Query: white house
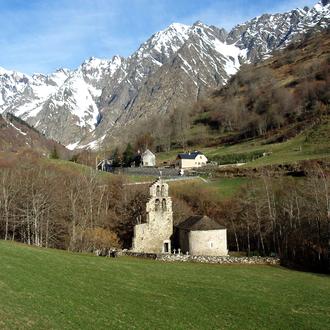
{"x": 191, "y": 160}
{"x": 104, "y": 165}
{"x": 148, "y": 159}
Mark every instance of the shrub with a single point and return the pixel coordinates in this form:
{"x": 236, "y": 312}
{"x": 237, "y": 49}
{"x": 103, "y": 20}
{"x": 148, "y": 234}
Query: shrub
{"x": 98, "y": 238}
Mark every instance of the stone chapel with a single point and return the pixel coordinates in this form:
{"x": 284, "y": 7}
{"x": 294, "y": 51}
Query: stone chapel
{"x": 197, "y": 235}
{"x": 154, "y": 236}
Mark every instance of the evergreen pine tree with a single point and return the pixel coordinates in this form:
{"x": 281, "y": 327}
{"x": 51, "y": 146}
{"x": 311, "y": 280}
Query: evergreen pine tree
{"x": 128, "y": 155}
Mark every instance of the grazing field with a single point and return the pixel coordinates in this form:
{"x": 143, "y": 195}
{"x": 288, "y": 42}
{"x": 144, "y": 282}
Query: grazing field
{"x": 312, "y": 143}
{"x": 52, "y": 289}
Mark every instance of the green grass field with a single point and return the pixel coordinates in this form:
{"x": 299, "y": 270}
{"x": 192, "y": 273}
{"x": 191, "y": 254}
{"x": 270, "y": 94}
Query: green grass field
{"x": 52, "y": 289}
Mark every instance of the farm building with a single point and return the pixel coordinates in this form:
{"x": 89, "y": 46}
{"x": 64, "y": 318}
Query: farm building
{"x": 191, "y": 160}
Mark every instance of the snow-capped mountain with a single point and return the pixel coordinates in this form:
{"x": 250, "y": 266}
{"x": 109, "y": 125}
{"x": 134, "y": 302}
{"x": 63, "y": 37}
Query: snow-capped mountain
{"x": 265, "y": 33}
{"x": 176, "y": 65}
{"x": 62, "y": 105}
{"x": 179, "y": 62}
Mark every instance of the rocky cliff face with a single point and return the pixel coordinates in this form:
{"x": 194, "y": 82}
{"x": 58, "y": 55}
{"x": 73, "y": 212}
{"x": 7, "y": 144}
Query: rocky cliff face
{"x": 177, "y": 65}
{"x": 263, "y": 34}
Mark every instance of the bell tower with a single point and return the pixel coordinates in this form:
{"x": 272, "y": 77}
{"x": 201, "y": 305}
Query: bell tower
{"x": 154, "y": 236}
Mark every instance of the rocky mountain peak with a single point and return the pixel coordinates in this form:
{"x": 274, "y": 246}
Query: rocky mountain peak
{"x": 198, "y": 23}
{"x": 164, "y": 43}
{"x": 175, "y": 65}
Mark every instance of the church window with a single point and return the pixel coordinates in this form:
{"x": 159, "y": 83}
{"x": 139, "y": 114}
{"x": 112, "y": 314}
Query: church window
{"x": 164, "y": 204}
{"x": 157, "y": 204}
{"x": 157, "y": 190}
{"x": 163, "y": 190}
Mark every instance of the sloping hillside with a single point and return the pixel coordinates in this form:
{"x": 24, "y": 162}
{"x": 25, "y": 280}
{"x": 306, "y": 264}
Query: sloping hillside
{"x": 16, "y": 135}
{"x": 279, "y": 107}
{"x": 52, "y": 289}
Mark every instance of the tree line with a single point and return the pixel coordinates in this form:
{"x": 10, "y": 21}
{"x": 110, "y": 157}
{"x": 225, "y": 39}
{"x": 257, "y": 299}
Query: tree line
{"x": 287, "y": 217}
{"x": 49, "y": 206}
{"x": 46, "y": 206}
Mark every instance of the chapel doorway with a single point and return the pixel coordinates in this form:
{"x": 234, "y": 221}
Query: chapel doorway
{"x": 166, "y": 247}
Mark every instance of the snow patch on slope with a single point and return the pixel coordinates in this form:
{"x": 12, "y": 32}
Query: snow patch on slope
{"x": 76, "y": 96}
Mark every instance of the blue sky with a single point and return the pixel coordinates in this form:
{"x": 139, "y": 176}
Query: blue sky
{"x": 43, "y": 35}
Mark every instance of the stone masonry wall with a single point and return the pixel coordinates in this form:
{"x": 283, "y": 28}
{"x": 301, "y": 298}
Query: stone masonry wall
{"x": 205, "y": 259}
{"x": 208, "y": 242}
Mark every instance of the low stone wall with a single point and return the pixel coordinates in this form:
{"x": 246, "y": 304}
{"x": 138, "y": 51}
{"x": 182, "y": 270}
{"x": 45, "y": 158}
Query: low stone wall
{"x": 205, "y": 259}
{"x": 220, "y": 260}
{"x": 166, "y": 172}
{"x": 138, "y": 254}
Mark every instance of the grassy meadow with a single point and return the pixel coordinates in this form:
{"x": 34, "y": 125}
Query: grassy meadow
{"x": 53, "y": 289}
{"x": 312, "y": 143}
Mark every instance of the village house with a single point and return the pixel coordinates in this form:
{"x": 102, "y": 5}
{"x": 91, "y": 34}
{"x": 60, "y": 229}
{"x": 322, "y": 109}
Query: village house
{"x": 197, "y": 235}
{"x": 148, "y": 159}
{"x": 190, "y": 160}
{"x": 104, "y": 165}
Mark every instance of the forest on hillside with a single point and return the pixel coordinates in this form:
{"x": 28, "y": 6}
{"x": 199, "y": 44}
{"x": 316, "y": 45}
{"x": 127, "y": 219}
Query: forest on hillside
{"x": 290, "y": 87}
{"x": 44, "y": 205}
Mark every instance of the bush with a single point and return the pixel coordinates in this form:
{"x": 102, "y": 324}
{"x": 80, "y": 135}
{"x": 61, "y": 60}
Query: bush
{"x": 98, "y": 238}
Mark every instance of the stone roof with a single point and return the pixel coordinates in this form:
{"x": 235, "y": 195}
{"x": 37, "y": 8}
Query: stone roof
{"x": 189, "y": 155}
{"x": 200, "y": 222}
